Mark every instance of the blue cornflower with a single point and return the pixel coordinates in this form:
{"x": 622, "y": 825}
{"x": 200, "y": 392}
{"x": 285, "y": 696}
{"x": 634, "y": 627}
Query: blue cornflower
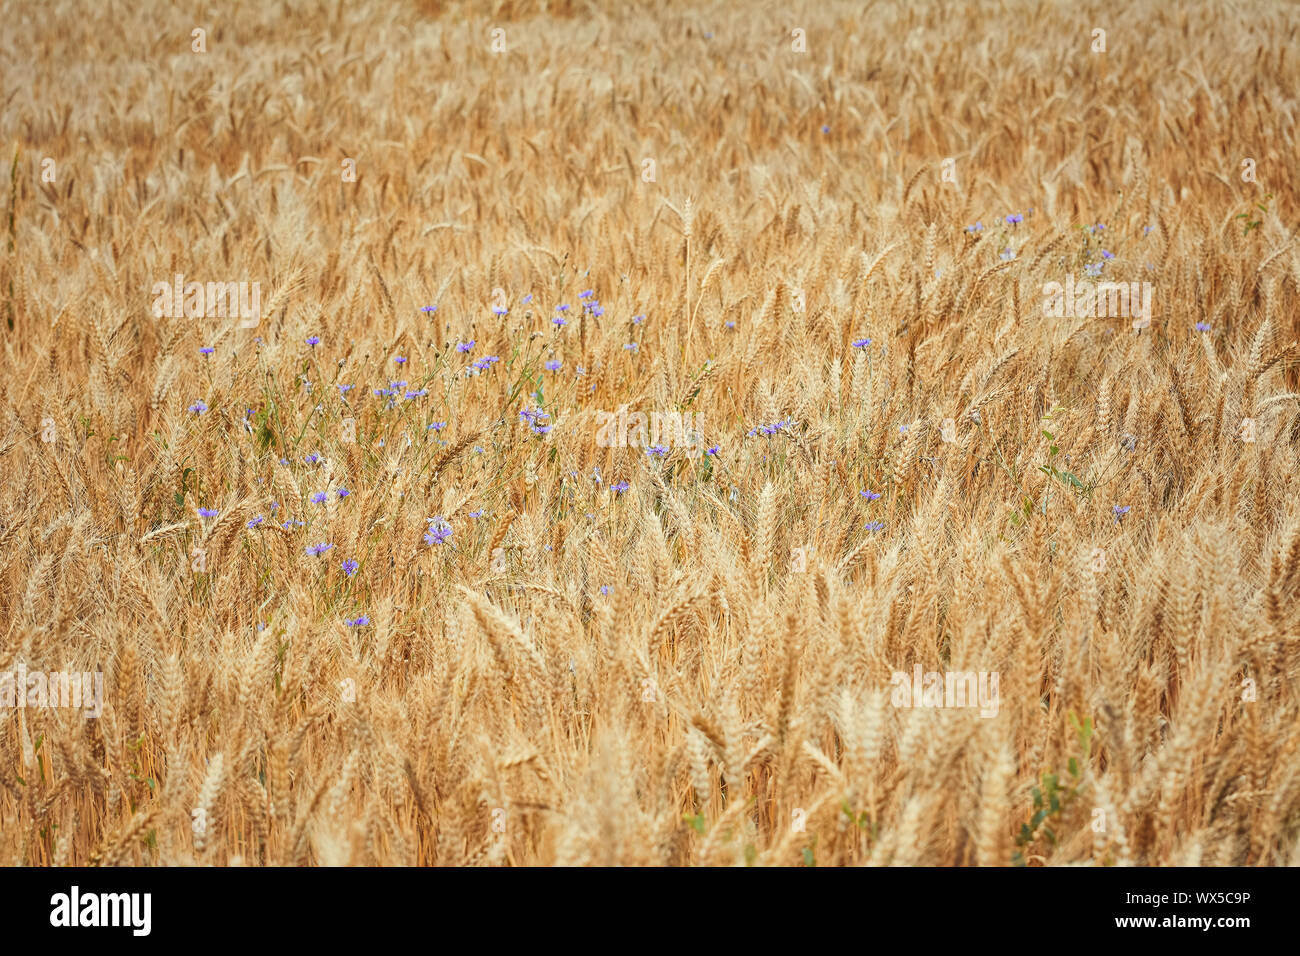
{"x": 466, "y": 346}
{"x": 207, "y": 350}
{"x": 657, "y": 451}
{"x": 605, "y": 589}
{"x": 562, "y": 308}
{"x": 312, "y": 459}
{"x": 978, "y": 227}
{"x": 558, "y": 322}
{"x": 586, "y": 293}
{"x": 870, "y": 495}
{"x": 313, "y": 340}
{"x": 1120, "y": 511}
{"x": 553, "y": 365}
{"x": 436, "y": 426}
{"x": 428, "y": 308}
{"x": 638, "y": 319}
{"x": 712, "y": 450}
{"x": 1006, "y": 255}
{"x": 361, "y": 621}
{"x": 528, "y": 298}
{"x": 319, "y": 498}
{"x": 476, "y": 514}
{"x": 535, "y": 418}
{"x": 861, "y": 343}
{"x": 729, "y": 324}
{"x": 1202, "y": 326}
{"x": 209, "y": 512}
{"x": 619, "y": 487}
{"x": 875, "y": 526}
{"x": 343, "y": 492}
{"x": 1014, "y": 219}
{"x": 350, "y": 567}
{"x": 417, "y": 394}
{"x": 630, "y": 347}
{"x": 199, "y": 407}
{"x": 318, "y": 549}
{"x": 439, "y": 531}
{"x": 344, "y": 389}
{"x": 825, "y": 128}
{"x": 499, "y": 310}
{"x": 1107, "y": 255}
{"x": 256, "y": 521}
{"x": 1093, "y": 269}
{"x": 399, "y": 359}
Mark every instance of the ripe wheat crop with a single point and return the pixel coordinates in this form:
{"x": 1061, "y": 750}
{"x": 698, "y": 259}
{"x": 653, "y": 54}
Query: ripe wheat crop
{"x": 524, "y": 433}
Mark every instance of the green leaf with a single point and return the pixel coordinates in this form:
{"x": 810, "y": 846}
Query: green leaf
{"x": 808, "y": 857}
{"x": 1074, "y": 767}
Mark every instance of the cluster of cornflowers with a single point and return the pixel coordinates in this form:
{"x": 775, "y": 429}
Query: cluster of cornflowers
{"x": 773, "y": 428}
{"x": 536, "y": 419}
{"x": 438, "y": 531}
{"x": 872, "y": 526}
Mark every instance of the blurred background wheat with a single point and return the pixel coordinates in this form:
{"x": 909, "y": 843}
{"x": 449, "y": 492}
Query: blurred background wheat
{"x": 519, "y": 646}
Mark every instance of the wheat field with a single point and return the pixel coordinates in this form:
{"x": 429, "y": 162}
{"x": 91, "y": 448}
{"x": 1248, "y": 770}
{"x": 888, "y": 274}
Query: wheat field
{"x": 634, "y": 405}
